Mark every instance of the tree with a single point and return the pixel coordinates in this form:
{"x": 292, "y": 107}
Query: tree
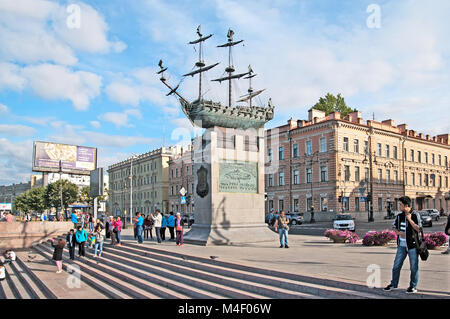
{"x": 30, "y": 201}
{"x": 52, "y": 194}
{"x": 333, "y": 103}
{"x": 85, "y": 196}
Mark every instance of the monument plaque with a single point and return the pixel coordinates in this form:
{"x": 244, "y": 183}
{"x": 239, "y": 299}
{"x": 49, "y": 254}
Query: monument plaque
{"x": 238, "y": 177}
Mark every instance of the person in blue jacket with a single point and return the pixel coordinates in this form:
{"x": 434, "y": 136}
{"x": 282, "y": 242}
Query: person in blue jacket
{"x": 74, "y": 219}
{"x": 171, "y": 225}
{"x": 139, "y": 227}
{"x": 81, "y": 237}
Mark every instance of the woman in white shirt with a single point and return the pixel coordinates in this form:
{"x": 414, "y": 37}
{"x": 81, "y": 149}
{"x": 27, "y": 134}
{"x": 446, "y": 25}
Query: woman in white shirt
{"x": 2, "y": 272}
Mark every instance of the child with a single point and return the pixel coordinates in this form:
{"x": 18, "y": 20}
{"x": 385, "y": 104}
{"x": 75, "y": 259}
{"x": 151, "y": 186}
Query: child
{"x": 57, "y": 254}
{"x": 2, "y": 272}
{"x": 10, "y": 256}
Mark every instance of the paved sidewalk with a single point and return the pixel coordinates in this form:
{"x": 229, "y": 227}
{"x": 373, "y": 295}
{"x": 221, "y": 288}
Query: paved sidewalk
{"x": 318, "y": 257}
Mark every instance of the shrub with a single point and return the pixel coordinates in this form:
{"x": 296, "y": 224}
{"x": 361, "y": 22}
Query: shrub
{"x": 349, "y": 236}
{"x": 374, "y": 238}
{"x": 435, "y": 239}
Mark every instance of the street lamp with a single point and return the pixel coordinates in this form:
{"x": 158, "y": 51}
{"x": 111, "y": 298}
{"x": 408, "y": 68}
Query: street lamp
{"x": 133, "y": 156}
{"x": 60, "y": 186}
{"x": 370, "y": 192}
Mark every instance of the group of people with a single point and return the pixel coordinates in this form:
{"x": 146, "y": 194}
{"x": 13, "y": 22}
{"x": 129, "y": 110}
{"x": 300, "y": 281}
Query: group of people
{"x": 10, "y": 256}
{"x": 160, "y": 223}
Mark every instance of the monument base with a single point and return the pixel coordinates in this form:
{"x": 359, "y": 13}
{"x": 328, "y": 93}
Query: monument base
{"x": 206, "y": 235}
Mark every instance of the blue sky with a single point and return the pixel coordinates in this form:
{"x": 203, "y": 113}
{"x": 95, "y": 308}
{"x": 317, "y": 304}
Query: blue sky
{"x": 96, "y": 85}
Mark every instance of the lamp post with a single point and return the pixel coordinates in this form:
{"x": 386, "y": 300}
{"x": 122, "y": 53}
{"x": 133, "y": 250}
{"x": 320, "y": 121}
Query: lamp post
{"x": 133, "y": 156}
{"x": 370, "y": 192}
{"x": 60, "y": 185}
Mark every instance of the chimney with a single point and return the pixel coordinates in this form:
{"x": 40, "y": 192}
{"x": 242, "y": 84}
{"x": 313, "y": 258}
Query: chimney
{"x": 335, "y": 116}
{"x": 292, "y": 124}
{"x": 301, "y": 123}
{"x": 434, "y": 139}
{"x": 388, "y": 122}
{"x": 312, "y": 113}
{"x": 420, "y": 135}
{"x": 315, "y": 120}
{"x": 355, "y": 117}
{"x": 428, "y": 137}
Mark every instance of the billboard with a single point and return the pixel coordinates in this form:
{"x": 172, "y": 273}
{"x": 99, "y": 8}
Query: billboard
{"x": 5, "y": 206}
{"x": 74, "y": 159}
{"x": 96, "y": 186}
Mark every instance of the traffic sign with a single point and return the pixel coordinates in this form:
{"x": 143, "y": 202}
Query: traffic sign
{"x": 362, "y": 199}
{"x": 183, "y": 199}
{"x": 182, "y": 191}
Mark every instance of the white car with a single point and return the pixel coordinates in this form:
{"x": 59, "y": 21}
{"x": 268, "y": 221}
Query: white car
{"x": 434, "y": 213}
{"x": 344, "y": 222}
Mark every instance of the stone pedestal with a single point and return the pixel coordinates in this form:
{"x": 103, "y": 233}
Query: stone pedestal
{"x": 229, "y": 188}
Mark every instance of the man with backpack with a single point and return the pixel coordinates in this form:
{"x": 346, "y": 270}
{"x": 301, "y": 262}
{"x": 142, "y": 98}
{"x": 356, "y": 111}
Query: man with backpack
{"x": 405, "y": 224}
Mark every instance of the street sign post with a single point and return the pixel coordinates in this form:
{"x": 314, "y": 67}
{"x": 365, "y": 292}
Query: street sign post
{"x": 182, "y": 191}
{"x": 183, "y": 199}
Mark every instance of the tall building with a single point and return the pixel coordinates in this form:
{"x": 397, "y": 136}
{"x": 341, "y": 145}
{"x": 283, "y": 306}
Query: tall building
{"x": 181, "y": 176}
{"x": 330, "y": 162}
{"x": 9, "y": 192}
{"x": 149, "y": 173}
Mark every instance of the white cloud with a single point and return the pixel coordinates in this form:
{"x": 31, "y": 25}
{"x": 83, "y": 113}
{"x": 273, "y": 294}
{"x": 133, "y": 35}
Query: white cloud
{"x": 105, "y": 140}
{"x": 95, "y": 124}
{"x": 3, "y": 108}
{"x": 15, "y": 160}
{"x": 55, "y": 82}
{"x": 16, "y": 130}
{"x": 121, "y": 119}
{"x": 10, "y": 77}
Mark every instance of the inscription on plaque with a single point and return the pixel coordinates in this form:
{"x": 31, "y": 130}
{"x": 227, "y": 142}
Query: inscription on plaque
{"x": 238, "y": 177}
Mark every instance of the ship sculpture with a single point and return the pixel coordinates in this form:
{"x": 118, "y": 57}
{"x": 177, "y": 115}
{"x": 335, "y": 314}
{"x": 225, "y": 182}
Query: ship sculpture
{"x": 207, "y": 113}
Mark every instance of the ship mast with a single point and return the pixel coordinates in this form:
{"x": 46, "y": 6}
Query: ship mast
{"x": 200, "y": 64}
{"x": 250, "y": 94}
{"x": 230, "y": 69}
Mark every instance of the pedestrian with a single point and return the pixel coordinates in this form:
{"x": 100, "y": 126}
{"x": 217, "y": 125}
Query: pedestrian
{"x": 441, "y": 212}
{"x": 28, "y": 217}
{"x": 2, "y": 272}
{"x": 10, "y": 256}
{"x": 9, "y": 217}
{"x": 71, "y": 241}
{"x": 43, "y": 217}
{"x": 147, "y": 227}
{"x": 57, "y": 254}
{"x": 91, "y": 223}
{"x": 179, "y": 229}
{"x": 99, "y": 223}
{"x": 139, "y": 227}
{"x": 81, "y": 237}
{"x": 163, "y": 227}
{"x": 135, "y": 219}
{"x": 86, "y": 220}
{"x": 99, "y": 239}
{"x": 405, "y": 224}
{"x": 117, "y": 230}
{"x": 111, "y": 230}
{"x": 82, "y": 219}
{"x": 157, "y": 223}
{"x": 108, "y": 234}
{"x": 282, "y": 223}
{"x": 447, "y": 232}
{"x": 74, "y": 219}
{"x": 171, "y": 225}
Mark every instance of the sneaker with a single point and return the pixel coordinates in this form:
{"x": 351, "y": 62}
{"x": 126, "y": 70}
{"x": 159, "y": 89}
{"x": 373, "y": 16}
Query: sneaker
{"x": 411, "y": 290}
{"x": 59, "y": 271}
{"x": 445, "y": 252}
{"x": 286, "y": 246}
{"x": 390, "y": 287}
{"x": 281, "y": 246}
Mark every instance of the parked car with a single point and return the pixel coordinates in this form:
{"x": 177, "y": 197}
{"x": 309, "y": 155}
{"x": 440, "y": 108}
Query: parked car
{"x": 434, "y": 213}
{"x": 295, "y": 219}
{"x": 427, "y": 220}
{"x": 344, "y": 221}
{"x": 188, "y": 220}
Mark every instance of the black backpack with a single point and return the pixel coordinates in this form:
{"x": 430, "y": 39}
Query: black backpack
{"x": 421, "y": 246}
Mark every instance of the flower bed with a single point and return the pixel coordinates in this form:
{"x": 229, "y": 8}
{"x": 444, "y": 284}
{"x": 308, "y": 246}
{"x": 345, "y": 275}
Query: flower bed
{"x": 341, "y": 236}
{"x": 435, "y": 240}
{"x": 380, "y": 238}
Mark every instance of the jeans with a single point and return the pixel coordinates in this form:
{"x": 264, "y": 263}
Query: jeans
{"x": 398, "y": 263}
{"x": 171, "y": 231}
{"x": 91, "y": 227}
{"x": 179, "y": 237}
{"x": 81, "y": 249}
{"x": 283, "y": 232}
{"x": 139, "y": 234}
{"x": 163, "y": 233}
{"x": 158, "y": 234}
{"x": 72, "y": 252}
{"x": 97, "y": 245}
{"x": 118, "y": 236}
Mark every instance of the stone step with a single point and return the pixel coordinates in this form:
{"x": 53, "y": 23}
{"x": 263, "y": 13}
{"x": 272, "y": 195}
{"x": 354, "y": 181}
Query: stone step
{"x": 15, "y": 285}
{"x": 108, "y": 291}
{"x": 226, "y": 280}
{"x": 28, "y": 284}
{"x": 137, "y": 288}
{"x": 196, "y": 284}
{"x": 344, "y": 285}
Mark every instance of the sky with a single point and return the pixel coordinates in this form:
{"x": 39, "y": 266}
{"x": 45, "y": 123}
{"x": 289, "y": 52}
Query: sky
{"x": 83, "y": 73}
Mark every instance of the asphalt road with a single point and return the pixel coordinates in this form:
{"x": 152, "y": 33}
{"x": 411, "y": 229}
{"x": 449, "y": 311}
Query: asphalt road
{"x": 318, "y": 229}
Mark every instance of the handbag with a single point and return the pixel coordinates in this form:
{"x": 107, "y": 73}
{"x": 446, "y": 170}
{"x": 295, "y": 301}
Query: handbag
{"x": 179, "y": 228}
{"x": 421, "y": 246}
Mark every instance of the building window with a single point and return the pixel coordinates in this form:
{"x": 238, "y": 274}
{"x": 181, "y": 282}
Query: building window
{"x": 413, "y": 179}
{"x": 324, "y": 173}
{"x": 395, "y": 152}
{"x": 281, "y": 153}
{"x": 295, "y": 150}
{"x": 308, "y": 147}
{"x": 270, "y": 155}
{"x": 323, "y": 144}
{"x": 420, "y": 179}
{"x": 419, "y": 156}
{"x": 445, "y": 160}
{"x": 426, "y": 157}
{"x": 388, "y": 176}
{"x": 396, "y": 177}
{"x": 346, "y": 203}
{"x": 440, "y": 160}
{"x": 440, "y": 181}
{"x": 347, "y": 173}
{"x": 388, "y": 154}
{"x": 356, "y": 146}
{"x": 308, "y": 203}
{"x": 446, "y": 181}
{"x": 432, "y": 159}
{"x": 357, "y": 204}
{"x": 426, "y": 180}
{"x": 366, "y": 147}
{"x": 357, "y": 175}
{"x": 280, "y": 205}
{"x": 412, "y": 155}
{"x": 346, "y": 144}
{"x": 380, "y": 175}
{"x": 270, "y": 180}
{"x": 323, "y": 204}
{"x": 296, "y": 177}
{"x": 366, "y": 174}
{"x": 187, "y": 170}
{"x": 270, "y": 205}
{"x": 309, "y": 175}
{"x": 379, "y": 149}
{"x": 295, "y": 205}
{"x": 281, "y": 179}
{"x": 433, "y": 180}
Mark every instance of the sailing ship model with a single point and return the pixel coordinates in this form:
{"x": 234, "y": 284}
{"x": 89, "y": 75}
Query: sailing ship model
{"x": 207, "y": 113}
